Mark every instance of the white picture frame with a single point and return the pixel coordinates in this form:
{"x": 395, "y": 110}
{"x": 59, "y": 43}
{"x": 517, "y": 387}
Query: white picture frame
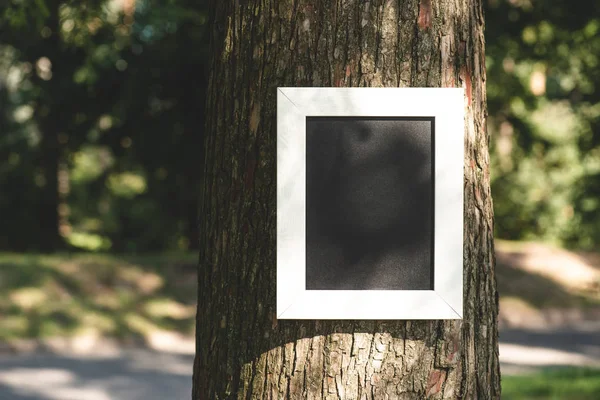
{"x": 447, "y": 107}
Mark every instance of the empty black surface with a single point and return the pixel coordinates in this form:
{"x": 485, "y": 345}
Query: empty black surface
{"x": 369, "y": 203}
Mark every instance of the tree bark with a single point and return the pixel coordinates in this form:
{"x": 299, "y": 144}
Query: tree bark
{"x": 243, "y": 351}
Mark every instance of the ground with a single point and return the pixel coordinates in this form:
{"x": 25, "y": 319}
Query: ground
{"x": 108, "y": 327}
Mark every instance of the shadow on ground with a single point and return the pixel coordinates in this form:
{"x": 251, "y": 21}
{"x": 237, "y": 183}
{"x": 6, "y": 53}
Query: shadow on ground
{"x": 572, "y": 340}
{"x": 541, "y": 286}
{"x": 544, "y": 276}
{"x": 535, "y": 289}
{"x": 127, "y": 375}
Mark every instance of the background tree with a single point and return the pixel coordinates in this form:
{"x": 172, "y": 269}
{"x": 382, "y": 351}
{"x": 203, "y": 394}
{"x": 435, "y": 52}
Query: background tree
{"x": 542, "y": 64}
{"x": 99, "y": 124}
{"x": 97, "y": 98}
{"x": 243, "y": 351}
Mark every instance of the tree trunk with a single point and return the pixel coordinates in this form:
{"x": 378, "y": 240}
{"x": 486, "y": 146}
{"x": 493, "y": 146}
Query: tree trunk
{"x": 50, "y": 120}
{"x": 48, "y": 237}
{"x": 243, "y": 351}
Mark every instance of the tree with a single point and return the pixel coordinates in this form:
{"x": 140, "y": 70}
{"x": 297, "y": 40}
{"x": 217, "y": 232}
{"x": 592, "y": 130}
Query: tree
{"x": 49, "y": 52}
{"x": 243, "y": 351}
{"x": 99, "y": 124}
{"x": 543, "y": 79}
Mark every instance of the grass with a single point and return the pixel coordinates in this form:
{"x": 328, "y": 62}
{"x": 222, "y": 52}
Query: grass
{"x": 554, "y": 383}
{"x": 106, "y": 295}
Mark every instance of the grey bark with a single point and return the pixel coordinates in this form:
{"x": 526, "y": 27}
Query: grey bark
{"x": 243, "y": 351}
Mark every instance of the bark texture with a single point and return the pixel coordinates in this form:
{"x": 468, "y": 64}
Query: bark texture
{"x": 243, "y": 351}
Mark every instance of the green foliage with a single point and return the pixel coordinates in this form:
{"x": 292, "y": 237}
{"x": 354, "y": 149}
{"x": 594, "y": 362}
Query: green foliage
{"x": 110, "y": 100}
{"x": 554, "y": 384}
{"x": 544, "y": 117}
{"x": 114, "y": 97}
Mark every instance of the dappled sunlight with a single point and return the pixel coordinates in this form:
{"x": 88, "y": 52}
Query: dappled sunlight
{"x": 542, "y": 356}
{"x": 169, "y": 308}
{"x": 28, "y": 298}
{"x": 97, "y": 323}
{"x": 544, "y": 287}
{"x": 95, "y": 296}
{"x": 13, "y": 326}
{"x": 63, "y": 383}
{"x": 516, "y": 312}
{"x": 91, "y": 161}
{"x": 107, "y": 299}
{"x": 23, "y": 113}
{"x": 139, "y": 324}
{"x": 44, "y": 68}
{"x": 172, "y": 342}
{"x": 67, "y": 267}
{"x": 146, "y": 282}
{"x": 47, "y": 376}
{"x": 87, "y": 241}
{"x": 562, "y": 266}
{"x": 127, "y": 184}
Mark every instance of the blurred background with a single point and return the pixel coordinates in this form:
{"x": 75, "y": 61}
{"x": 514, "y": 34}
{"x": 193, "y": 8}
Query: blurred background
{"x": 101, "y": 131}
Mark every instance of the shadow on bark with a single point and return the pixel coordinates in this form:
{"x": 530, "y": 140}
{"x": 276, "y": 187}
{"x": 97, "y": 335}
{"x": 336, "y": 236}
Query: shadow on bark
{"x": 537, "y": 290}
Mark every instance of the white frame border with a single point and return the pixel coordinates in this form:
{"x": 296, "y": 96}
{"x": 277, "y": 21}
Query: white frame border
{"x": 446, "y": 300}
